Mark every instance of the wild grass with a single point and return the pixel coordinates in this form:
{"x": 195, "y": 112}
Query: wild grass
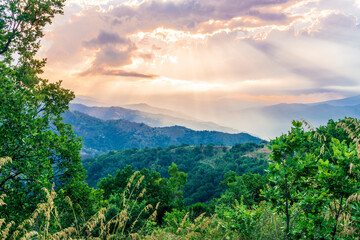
{"x": 230, "y": 222}
{"x": 45, "y": 222}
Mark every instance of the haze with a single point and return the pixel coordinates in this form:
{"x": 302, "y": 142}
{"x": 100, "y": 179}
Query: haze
{"x": 208, "y": 59}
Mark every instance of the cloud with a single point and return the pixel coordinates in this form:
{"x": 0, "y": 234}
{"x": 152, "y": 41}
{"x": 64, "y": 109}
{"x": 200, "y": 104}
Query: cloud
{"x": 188, "y": 15}
{"x": 112, "y": 57}
{"x": 307, "y": 60}
{"x": 120, "y": 73}
{"x": 105, "y": 38}
{"x": 335, "y": 26}
{"x": 255, "y": 47}
{"x": 113, "y": 52}
{"x": 96, "y": 32}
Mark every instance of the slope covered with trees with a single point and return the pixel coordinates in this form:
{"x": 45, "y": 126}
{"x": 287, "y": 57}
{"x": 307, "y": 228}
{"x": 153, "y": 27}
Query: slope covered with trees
{"x": 205, "y": 165}
{"x": 101, "y": 136}
{"x": 153, "y": 117}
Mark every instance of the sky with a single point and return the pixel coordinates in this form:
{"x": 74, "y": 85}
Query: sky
{"x": 198, "y": 56}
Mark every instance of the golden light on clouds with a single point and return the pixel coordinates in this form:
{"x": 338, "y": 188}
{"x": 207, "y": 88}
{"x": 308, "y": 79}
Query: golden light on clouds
{"x": 188, "y": 51}
{"x": 169, "y": 35}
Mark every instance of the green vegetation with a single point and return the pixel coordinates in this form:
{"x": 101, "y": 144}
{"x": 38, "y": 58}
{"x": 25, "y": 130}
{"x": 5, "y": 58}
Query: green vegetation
{"x": 42, "y": 148}
{"x": 315, "y": 177}
{"x": 100, "y": 136}
{"x": 205, "y": 165}
{"x": 311, "y": 189}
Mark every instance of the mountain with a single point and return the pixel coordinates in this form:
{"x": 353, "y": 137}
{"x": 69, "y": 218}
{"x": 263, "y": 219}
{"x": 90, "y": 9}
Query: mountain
{"x": 205, "y": 165}
{"x": 271, "y": 121}
{"x": 350, "y": 101}
{"x": 267, "y": 122}
{"x": 100, "y": 136}
{"x": 143, "y": 107}
{"x": 315, "y": 114}
{"x": 86, "y": 100}
{"x": 154, "y": 117}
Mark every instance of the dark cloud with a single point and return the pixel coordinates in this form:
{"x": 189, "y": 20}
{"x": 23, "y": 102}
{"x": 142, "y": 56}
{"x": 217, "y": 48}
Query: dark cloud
{"x": 146, "y": 56}
{"x": 120, "y": 73}
{"x": 112, "y": 57}
{"x": 187, "y": 15}
{"x": 277, "y": 17}
{"x": 105, "y": 38}
{"x": 114, "y": 51}
{"x": 129, "y": 74}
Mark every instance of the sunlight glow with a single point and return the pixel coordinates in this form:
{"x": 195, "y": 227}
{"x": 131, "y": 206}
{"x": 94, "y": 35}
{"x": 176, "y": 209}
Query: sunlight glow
{"x": 184, "y": 85}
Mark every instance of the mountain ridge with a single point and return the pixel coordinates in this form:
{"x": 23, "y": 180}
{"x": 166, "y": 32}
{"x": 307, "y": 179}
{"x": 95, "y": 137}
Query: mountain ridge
{"x": 151, "y": 119}
{"x": 101, "y": 136}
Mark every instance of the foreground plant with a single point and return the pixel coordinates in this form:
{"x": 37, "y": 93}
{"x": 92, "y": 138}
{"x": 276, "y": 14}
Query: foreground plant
{"x": 45, "y": 221}
{"x": 314, "y": 178}
{"x": 43, "y": 149}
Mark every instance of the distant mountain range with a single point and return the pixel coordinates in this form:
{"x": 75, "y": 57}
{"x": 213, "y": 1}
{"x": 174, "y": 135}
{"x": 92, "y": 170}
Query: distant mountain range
{"x": 153, "y": 117}
{"x": 350, "y": 101}
{"x": 271, "y": 121}
{"x": 100, "y": 135}
{"x": 266, "y": 122}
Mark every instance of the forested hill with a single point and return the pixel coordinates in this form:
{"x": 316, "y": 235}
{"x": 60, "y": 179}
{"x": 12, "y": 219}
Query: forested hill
{"x": 153, "y": 117}
{"x": 204, "y": 164}
{"x": 100, "y": 136}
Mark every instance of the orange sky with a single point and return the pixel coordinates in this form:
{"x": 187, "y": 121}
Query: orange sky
{"x": 182, "y": 53}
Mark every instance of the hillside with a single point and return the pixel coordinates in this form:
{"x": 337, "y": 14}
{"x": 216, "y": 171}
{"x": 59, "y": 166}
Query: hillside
{"x": 151, "y": 116}
{"x": 100, "y": 136}
{"x": 258, "y": 119}
{"x": 204, "y": 164}
{"x": 350, "y": 101}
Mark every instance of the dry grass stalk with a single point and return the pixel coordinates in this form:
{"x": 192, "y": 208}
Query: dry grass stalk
{"x": 45, "y": 217}
{"x": 307, "y": 124}
{"x": 5, "y": 232}
{"x": 4, "y": 160}
{"x": 2, "y": 203}
{"x": 352, "y": 128}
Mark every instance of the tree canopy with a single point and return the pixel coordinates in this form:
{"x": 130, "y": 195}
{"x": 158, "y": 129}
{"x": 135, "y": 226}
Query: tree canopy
{"x": 42, "y": 148}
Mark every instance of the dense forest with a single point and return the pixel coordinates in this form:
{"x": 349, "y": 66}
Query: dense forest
{"x": 100, "y": 136}
{"x": 205, "y": 165}
{"x": 308, "y": 187}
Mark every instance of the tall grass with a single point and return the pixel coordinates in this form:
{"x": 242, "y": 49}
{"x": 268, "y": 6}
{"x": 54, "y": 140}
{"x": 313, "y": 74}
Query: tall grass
{"x": 44, "y": 223}
{"x": 237, "y": 222}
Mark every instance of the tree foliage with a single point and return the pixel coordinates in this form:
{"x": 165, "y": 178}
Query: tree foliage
{"x": 205, "y": 168}
{"x": 151, "y": 189}
{"x": 42, "y": 148}
{"x": 314, "y": 174}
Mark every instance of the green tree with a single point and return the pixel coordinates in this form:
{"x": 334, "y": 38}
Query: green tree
{"x": 246, "y": 187}
{"x": 314, "y": 175}
{"x": 334, "y": 181}
{"x": 157, "y": 191}
{"x": 43, "y": 149}
{"x": 286, "y": 170}
{"x": 177, "y": 181}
